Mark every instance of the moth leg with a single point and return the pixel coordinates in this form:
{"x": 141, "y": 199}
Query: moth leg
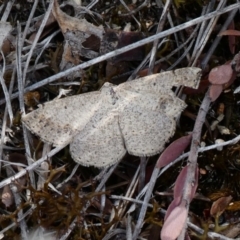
{"x": 100, "y": 143}
{"x": 58, "y": 121}
{"x": 145, "y": 132}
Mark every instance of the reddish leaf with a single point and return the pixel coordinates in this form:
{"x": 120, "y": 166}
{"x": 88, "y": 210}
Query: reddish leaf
{"x": 220, "y": 205}
{"x": 173, "y": 150}
{"x": 171, "y": 206}
{"x": 221, "y": 74}
{"x": 229, "y": 33}
{"x": 174, "y": 224}
{"x": 215, "y": 91}
{"x": 179, "y": 184}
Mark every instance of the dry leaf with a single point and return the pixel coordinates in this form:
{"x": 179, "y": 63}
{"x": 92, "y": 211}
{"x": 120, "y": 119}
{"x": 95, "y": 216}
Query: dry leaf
{"x": 78, "y": 34}
{"x": 137, "y": 116}
{"x": 220, "y": 205}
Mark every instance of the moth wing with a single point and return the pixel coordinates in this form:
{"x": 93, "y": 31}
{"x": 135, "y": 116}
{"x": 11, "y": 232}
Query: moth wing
{"x": 100, "y": 143}
{"x": 145, "y": 132}
{"x": 163, "y": 82}
{"x": 58, "y": 121}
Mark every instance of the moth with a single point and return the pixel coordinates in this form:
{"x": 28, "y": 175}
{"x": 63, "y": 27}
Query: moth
{"x": 137, "y": 117}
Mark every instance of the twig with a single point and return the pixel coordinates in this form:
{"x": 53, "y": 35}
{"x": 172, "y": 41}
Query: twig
{"x": 7, "y": 10}
{"x": 29, "y": 21}
{"x": 44, "y": 21}
{"x": 218, "y": 38}
{"x": 208, "y": 32}
{"x": 31, "y": 167}
{"x": 192, "y": 159}
{"x": 144, "y": 207}
{"x": 159, "y": 29}
{"x": 5, "y": 90}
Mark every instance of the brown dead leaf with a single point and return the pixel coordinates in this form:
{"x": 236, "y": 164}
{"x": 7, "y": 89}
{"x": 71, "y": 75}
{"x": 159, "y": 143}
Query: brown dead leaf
{"x": 50, "y": 25}
{"x": 79, "y": 34}
{"x": 220, "y": 205}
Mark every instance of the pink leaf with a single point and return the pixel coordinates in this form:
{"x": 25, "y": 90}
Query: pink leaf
{"x": 171, "y": 206}
{"x": 221, "y": 74}
{"x": 179, "y": 184}
{"x": 173, "y": 151}
{"x": 215, "y": 91}
{"x": 229, "y": 33}
{"x": 174, "y": 224}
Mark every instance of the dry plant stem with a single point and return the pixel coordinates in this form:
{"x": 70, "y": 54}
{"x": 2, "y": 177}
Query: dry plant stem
{"x": 69, "y": 177}
{"x": 200, "y": 33}
{"x": 218, "y": 38}
{"x": 181, "y": 57}
{"x": 5, "y": 90}
{"x": 159, "y": 29}
{"x": 193, "y": 155}
{"x": 17, "y": 199}
{"x": 112, "y": 233}
{"x": 146, "y": 2}
{"x": 144, "y": 62}
{"x": 202, "y": 149}
{"x": 29, "y": 22}
{"x": 211, "y": 235}
{"x": 4, "y": 122}
{"x": 44, "y": 21}
{"x": 7, "y": 10}
{"x": 21, "y": 98}
{"x": 129, "y": 227}
{"x": 144, "y": 207}
{"x": 44, "y": 47}
{"x": 31, "y": 167}
{"x": 90, "y": 5}
{"x": 179, "y": 48}
{"x": 208, "y": 32}
{"x": 125, "y": 5}
{"x": 127, "y": 48}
